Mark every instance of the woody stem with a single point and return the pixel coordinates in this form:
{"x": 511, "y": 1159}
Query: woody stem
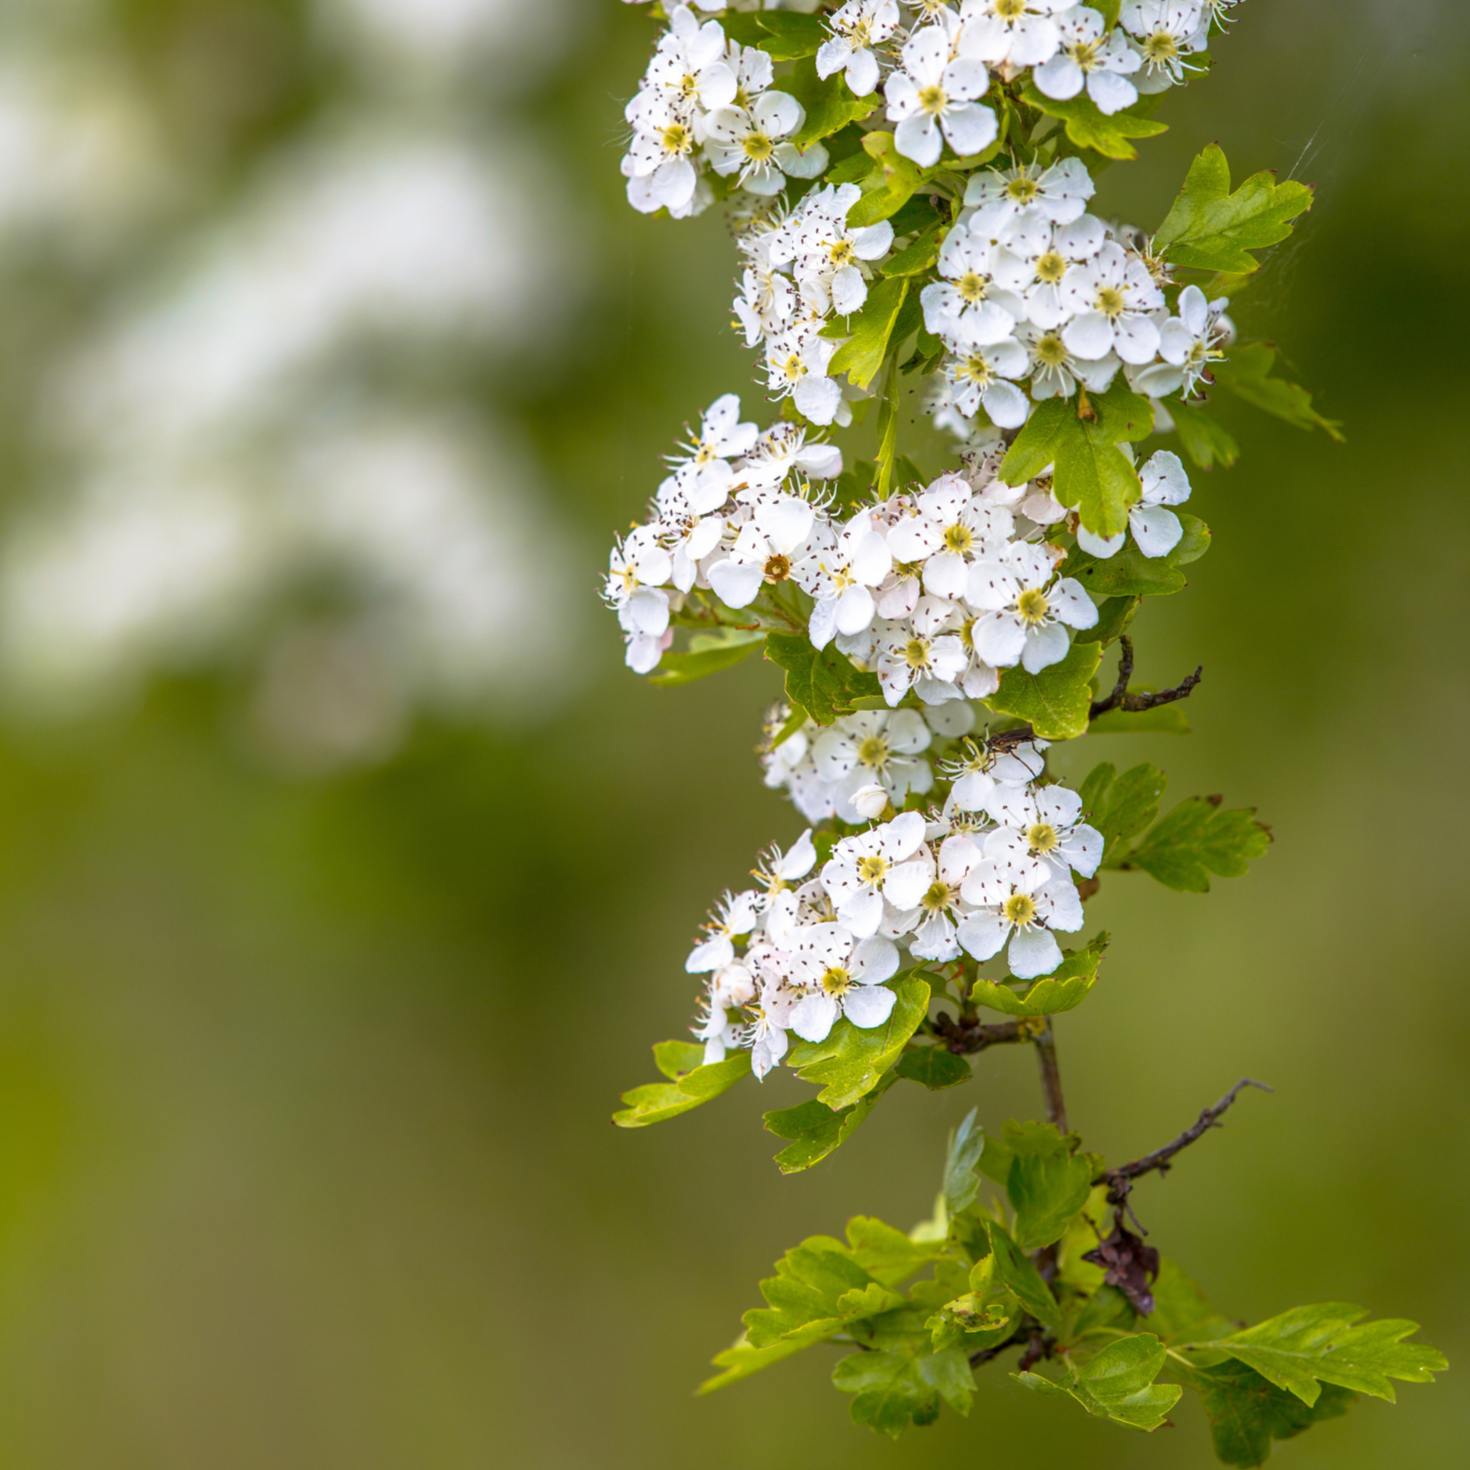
{"x": 1051, "y": 1078}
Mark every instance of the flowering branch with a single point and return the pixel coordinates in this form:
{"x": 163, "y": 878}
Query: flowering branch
{"x": 910, "y": 185}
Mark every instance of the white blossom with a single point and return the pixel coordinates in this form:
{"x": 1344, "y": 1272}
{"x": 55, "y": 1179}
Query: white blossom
{"x": 1011, "y": 33}
{"x": 658, "y": 164}
{"x": 763, "y": 551}
{"x": 856, "y": 29}
{"x": 934, "y": 93}
{"x": 1112, "y": 298}
{"x": 941, "y": 907}
{"x": 949, "y": 529}
{"x": 1043, "y": 824}
{"x": 1165, "y": 33}
{"x": 1156, "y": 529}
{"x": 979, "y": 375}
{"x": 828, "y": 258}
{"x": 735, "y": 915}
{"x": 1019, "y": 908}
{"x": 752, "y": 143}
{"x": 796, "y": 366}
{"x": 1024, "y": 608}
{"x": 923, "y": 653}
{"x": 968, "y": 296}
{"x": 843, "y": 975}
{"x": 1060, "y": 192}
{"x": 874, "y": 747}
{"x": 882, "y": 863}
{"x": 841, "y": 579}
{"x": 985, "y": 767}
{"x": 689, "y": 67}
{"x": 1033, "y": 255}
{"x": 1188, "y": 344}
{"x": 1093, "y": 58}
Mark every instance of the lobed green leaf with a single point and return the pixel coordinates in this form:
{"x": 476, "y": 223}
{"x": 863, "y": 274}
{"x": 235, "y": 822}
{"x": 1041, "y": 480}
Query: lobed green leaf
{"x": 660, "y": 1100}
{"x": 1057, "y": 700}
{"x": 1089, "y": 127}
{"x": 1063, "y": 990}
{"x": 1247, "y": 374}
{"x": 1195, "y": 840}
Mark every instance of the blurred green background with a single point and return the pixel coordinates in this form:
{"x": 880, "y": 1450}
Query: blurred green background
{"x": 346, "y": 876}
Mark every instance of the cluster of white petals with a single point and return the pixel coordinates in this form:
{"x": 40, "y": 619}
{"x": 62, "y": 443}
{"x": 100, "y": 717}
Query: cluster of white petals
{"x": 817, "y": 941}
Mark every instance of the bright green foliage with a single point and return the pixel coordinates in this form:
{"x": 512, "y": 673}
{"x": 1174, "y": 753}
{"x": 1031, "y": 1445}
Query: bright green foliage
{"x": 1203, "y": 440}
{"x": 1065, "y": 988}
{"x": 1114, "y": 617}
{"x": 1246, "y": 1412}
{"x": 1087, "y": 127}
{"x": 1013, "y": 1269}
{"x": 1121, "y": 807}
{"x": 714, "y": 656}
{"x": 1056, "y": 701}
{"x": 829, "y": 104}
{"x": 1247, "y": 374}
{"x": 660, "y": 1100}
{"x": 823, "y": 684}
{"x": 888, "y": 182}
{"x": 1309, "y": 1346}
{"x": 919, "y": 255}
{"x": 1129, "y": 573}
{"x": 861, "y": 356}
{"x": 848, "y": 1064}
{"x": 961, "y": 1183}
{"x": 1047, "y": 1184}
{"x": 816, "y": 1130}
{"x": 1118, "y": 1383}
{"x": 933, "y": 1067}
{"x": 1214, "y": 230}
{"x": 1195, "y": 840}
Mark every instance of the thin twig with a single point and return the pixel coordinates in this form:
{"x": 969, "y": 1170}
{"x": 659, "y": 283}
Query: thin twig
{"x": 1118, "y": 699}
{"x": 1051, "y": 1077}
{"x": 1120, "y": 1180}
{"x": 969, "y": 1035}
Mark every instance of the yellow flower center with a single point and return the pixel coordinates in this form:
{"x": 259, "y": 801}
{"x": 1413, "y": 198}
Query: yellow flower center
{"x": 1019, "y": 909}
{"x": 873, "y": 751}
{"x": 1084, "y": 53}
{"x": 1051, "y": 267}
{"x": 872, "y": 868}
{"x": 1010, "y": 9}
{"x": 916, "y": 653}
{"x": 975, "y": 370}
{"x": 1022, "y": 190}
{"x": 1110, "y": 301}
{"x": 971, "y": 286}
{"x": 778, "y": 567}
{"x": 836, "y": 981}
{"x": 1031, "y": 605}
{"x": 677, "y": 138}
{"x": 842, "y": 253}
{"x": 959, "y": 539}
{"x": 937, "y": 898}
{"x": 932, "y": 100}
{"x": 757, "y": 147}
{"x": 793, "y": 367}
{"x": 1160, "y": 47}
{"x": 1042, "y": 837}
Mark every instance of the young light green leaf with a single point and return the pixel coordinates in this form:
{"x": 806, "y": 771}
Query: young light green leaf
{"x": 961, "y": 1184}
{"x": 1057, "y": 700}
{"x": 802, "y": 1297}
{"x": 675, "y": 1059}
{"x": 1118, "y": 1383}
{"x": 1088, "y": 127}
{"x": 891, "y": 1391}
{"x": 1246, "y": 1412}
{"x": 1181, "y": 1312}
{"x": 861, "y": 356}
{"x": 1246, "y": 372}
{"x": 1212, "y": 229}
{"x": 1195, "y": 840}
{"x": 741, "y": 1360}
{"x": 1014, "y": 1269}
{"x": 934, "y": 1067}
{"x": 1204, "y": 441}
{"x": 1308, "y": 1346}
{"x": 1036, "y": 446}
{"x": 684, "y": 668}
{"x": 1063, "y": 990}
{"x": 1121, "y": 807}
{"x": 887, "y": 1255}
{"x": 917, "y": 256}
{"x": 660, "y": 1100}
{"x": 890, "y": 189}
{"x": 790, "y": 36}
{"x": 816, "y": 1130}
{"x": 850, "y": 1062}
{"x": 888, "y": 434}
{"x": 824, "y": 683}
{"x": 829, "y": 104}
{"x": 1047, "y": 1190}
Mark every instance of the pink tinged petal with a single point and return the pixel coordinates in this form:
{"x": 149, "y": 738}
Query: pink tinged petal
{"x": 917, "y": 138}
{"x": 1111, "y": 92}
{"x": 643, "y": 654}
{"x": 814, "y": 1017}
{"x": 867, "y": 1006}
{"x": 1059, "y": 78}
{"x": 874, "y": 961}
{"x": 736, "y": 583}
{"x": 983, "y": 935}
{"x": 999, "y": 639}
{"x": 1071, "y": 604}
{"x": 1156, "y": 529}
{"x": 863, "y": 914}
{"x": 1084, "y": 849}
{"x": 1089, "y": 335}
{"x": 1044, "y": 647}
{"x": 1006, "y": 405}
{"x": 1033, "y": 952}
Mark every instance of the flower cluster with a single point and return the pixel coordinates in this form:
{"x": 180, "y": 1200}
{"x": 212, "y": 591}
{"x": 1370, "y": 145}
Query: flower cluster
{"x": 815, "y": 941}
{"x": 936, "y": 589}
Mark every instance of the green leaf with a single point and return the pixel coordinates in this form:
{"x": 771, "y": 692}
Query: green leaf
{"x": 677, "y": 1058}
{"x": 1035, "y": 447}
{"x": 917, "y": 256}
{"x": 816, "y": 1130}
{"x": 1113, "y": 619}
{"x": 1047, "y": 1190}
{"x": 1129, "y": 573}
{"x": 1118, "y": 1383}
{"x": 961, "y": 1184}
{"x": 660, "y": 1100}
{"x": 890, "y": 186}
{"x": 934, "y": 1067}
{"x": 1212, "y": 229}
{"x": 1014, "y": 1269}
{"x": 1163, "y": 719}
{"x": 887, "y": 1255}
{"x": 1204, "y": 441}
{"x": 823, "y": 683}
{"x": 1247, "y": 1412}
{"x": 1121, "y": 807}
{"x": 888, "y": 434}
{"x": 829, "y": 104}
{"x": 850, "y": 1062}
{"x": 1197, "y": 839}
{"x": 1057, "y": 700}
{"x": 802, "y": 1297}
{"x": 891, "y": 1390}
{"x": 742, "y": 1360}
{"x": 685, "y": 668}
{"x": 1063, "y": 990}
{"x": 1302, "y": 1349}
{"x": 1181, "y": 1312}
{"x": 861, "y": 356}
{"x": 791, "y": 36}
{"x": 1246, "y": 372}
{"x": 1088, "y": 127}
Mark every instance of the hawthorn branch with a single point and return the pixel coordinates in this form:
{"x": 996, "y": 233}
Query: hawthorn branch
{"x": 1051, "y": 1078}
{"x": 969, "y": 1034}
{"x": 1120, "y": 1180}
